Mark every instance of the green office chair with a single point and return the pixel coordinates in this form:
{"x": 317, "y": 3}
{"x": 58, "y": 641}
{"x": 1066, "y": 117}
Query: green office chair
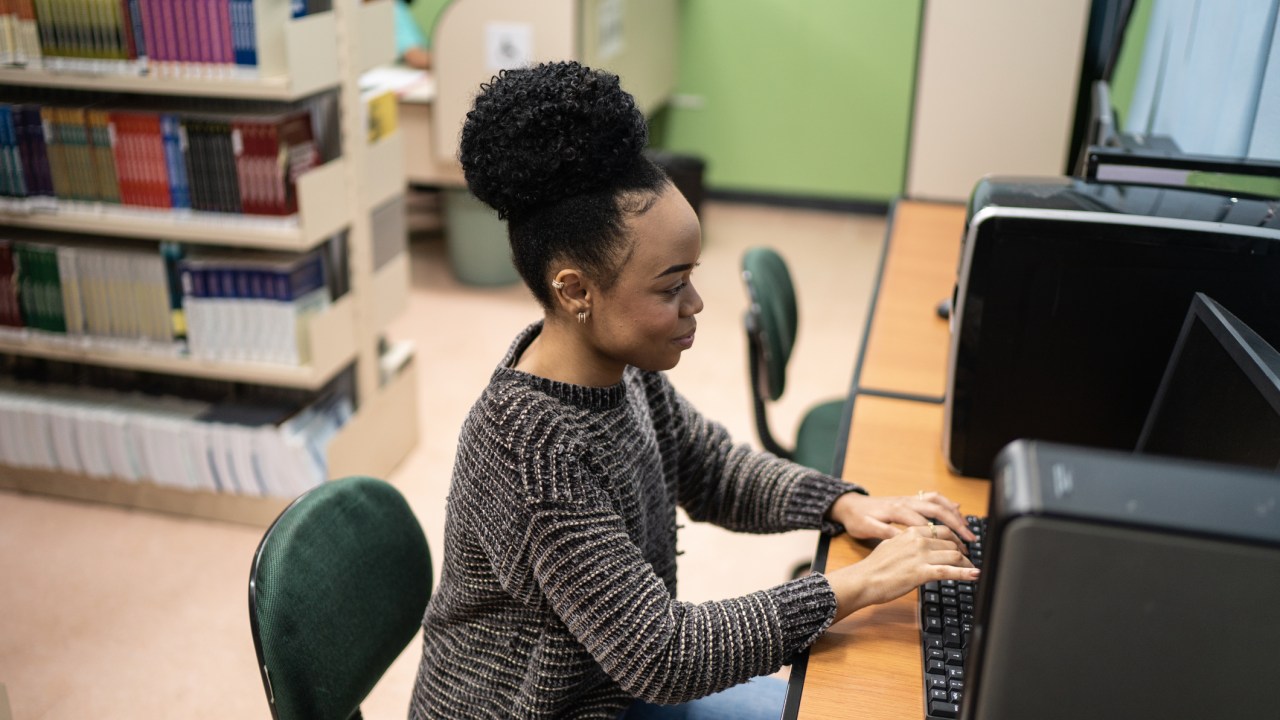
{"x": 771, "y": 325}
{"x": 338, "y": 588}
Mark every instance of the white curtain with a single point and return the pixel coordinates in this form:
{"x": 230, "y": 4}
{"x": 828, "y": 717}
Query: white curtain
{"x": 1210, "y": 77}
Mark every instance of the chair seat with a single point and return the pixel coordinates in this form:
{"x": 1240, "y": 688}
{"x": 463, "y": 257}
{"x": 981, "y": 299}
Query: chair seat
{"x": 816, "y": 439}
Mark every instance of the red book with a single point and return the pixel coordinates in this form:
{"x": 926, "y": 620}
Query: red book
{"x": 296, "y": 143}
{"x": 10, "y": 311}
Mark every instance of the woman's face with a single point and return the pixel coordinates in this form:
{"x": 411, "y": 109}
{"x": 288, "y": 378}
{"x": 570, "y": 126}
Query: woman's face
{"x": 647, "y": 318}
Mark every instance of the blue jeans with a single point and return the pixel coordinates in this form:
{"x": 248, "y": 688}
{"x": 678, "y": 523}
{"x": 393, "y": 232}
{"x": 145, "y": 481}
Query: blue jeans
{"x": 759, "y": 699}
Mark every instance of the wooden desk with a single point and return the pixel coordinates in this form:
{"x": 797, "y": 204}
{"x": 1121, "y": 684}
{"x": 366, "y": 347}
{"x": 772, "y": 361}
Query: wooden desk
{"x": 906, "y": 345}
{"x": 869, "y": 664}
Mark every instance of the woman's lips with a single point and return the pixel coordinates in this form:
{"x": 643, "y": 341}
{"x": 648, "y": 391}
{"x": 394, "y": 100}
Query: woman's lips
{"x": 686, "y": 341}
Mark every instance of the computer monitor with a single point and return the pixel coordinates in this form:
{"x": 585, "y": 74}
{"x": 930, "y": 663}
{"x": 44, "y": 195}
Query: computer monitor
{"x": 1120, "y": 586}
{"x": 1069, "y": 299}
{"x": 1220, "y": 396}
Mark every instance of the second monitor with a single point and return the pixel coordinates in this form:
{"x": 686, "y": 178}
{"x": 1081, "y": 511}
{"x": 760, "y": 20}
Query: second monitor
{"x": 1220, "y": 396}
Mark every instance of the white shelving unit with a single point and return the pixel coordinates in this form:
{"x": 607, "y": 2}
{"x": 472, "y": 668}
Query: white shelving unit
{"x": 317, "y": 53}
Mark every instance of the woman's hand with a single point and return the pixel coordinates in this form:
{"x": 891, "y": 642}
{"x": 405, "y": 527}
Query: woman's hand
{"x": 899, "y": 565}
{"x": 865, "y": 517}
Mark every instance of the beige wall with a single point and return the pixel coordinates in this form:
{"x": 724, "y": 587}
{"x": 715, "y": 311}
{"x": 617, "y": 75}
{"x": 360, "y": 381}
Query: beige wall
{"x": 995, "y": 92}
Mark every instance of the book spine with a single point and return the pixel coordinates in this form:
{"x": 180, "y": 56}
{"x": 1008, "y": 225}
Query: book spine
{"x": 126, "y": 152}
{"x": 128, "y": 44}
{"x": 10, "y": 311}
{"x": 8, "y": 32}
{"x": 137, "y": 32}
{"x": 244, "y": 35}
{"x": 8, "y": 188}
{"x": 101, "y": 141}
{"x": 146, "y": 19}
{"x": 199, "y": 173}
{"x": 175, "y": 149}
{"x": 72, "y": 304}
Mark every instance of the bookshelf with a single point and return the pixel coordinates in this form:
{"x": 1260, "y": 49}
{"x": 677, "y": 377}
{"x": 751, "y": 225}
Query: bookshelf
{"x": 323, "y": 52}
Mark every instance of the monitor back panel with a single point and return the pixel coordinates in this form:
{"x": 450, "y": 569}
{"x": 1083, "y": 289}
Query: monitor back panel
{"x": 1065, "y": 321}
{"x": 1112, "y": 623}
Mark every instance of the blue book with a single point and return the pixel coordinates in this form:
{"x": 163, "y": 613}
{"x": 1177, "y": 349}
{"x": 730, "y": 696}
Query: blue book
{"x": 135, "y": 20}
{"x": 39, "y": 151}
{"x": 298, "y": 8}
{"x": 302, "y": 278}
{"x": 175, "y": 161}
{"x": 8, "y": 159}
{"x": 244, "y": 39}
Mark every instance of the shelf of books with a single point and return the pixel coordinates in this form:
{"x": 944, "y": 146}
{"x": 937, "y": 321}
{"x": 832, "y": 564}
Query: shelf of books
{"x": 247, "y": 49}
{"x": 321, "y": 211}
{"x": 202, "y": 241}
{"x": 217, "y": 462}
{"x": 327, "y": 346}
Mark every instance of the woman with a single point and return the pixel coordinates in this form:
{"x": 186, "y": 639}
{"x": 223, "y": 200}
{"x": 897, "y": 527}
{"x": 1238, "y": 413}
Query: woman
{"x": 557, "y": 596}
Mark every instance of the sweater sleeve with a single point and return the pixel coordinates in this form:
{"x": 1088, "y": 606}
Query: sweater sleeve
{"x": 734, "y": 486}
{"x": 559, "y": 543}
{"x": 596, "y": 581}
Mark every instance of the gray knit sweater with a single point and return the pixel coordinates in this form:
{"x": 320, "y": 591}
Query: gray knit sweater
{"x": 557, "y": 596}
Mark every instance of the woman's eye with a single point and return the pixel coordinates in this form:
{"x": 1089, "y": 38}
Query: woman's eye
{"x": 676, "y": 290}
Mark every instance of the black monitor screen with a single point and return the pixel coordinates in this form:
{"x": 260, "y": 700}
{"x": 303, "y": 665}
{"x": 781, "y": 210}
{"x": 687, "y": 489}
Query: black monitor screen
{"x": 1220, "y": 397}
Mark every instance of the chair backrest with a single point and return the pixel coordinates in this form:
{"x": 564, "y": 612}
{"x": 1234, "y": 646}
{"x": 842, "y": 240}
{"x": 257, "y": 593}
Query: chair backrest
{"x": 771, "y": 324}
{"x": 771, "y": 319}
{"x": 338, "y": 588}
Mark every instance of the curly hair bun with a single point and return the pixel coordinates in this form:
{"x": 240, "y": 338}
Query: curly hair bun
{"x": 541, "y": 134}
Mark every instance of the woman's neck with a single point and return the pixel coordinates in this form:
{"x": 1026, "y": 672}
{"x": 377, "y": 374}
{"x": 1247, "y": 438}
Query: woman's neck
{"x": 564, "y": 353}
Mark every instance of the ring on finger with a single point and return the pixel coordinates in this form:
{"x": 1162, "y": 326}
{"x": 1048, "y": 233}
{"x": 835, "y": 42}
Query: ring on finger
{"x": 920, "y": 494}
{"x": 933, "y": 530}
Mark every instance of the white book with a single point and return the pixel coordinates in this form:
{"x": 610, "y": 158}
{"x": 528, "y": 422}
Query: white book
{"x": 220, "y": 449}
{"x": 243, "y": 457}
{"x": 198, "y": 456}
{"x": 90, "y": 439}
{"x": 114, "y": 427}
{"x": 37, "y": 441}
{"x": 63, "y": 424}
{"x": 9, "y": 442}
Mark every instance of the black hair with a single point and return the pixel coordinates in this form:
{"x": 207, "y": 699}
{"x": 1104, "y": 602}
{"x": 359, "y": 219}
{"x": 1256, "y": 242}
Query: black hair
{"x": 558, "y": 150}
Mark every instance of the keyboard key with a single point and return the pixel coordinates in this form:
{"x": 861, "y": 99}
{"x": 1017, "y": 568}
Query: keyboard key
{"x": 954, "y": 696}
{"x": 951, "y": 638}
{"x": 943, "y": 709}
{"x": 931, "y": 597}
{"x": 953, "y": 673}
{"x": 936, "y": 682}
{"x": 955, "y": 657}
{"x": 933, "y": 642}
{"x": 932, "y": 624}
{"x": 955, "y": 685}
{"x": 936, "y": 666}
{"x": 931, "y": 586}
{"x": 942, "y": 695}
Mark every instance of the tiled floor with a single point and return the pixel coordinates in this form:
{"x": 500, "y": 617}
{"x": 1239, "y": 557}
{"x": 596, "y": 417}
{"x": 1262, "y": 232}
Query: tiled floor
{"x": 111, "y": 613}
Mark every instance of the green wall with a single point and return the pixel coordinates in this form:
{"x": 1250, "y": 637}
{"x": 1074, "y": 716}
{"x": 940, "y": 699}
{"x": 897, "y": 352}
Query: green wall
{"x": 809, "y": 98}
{"x": 426, "y": 12}
{"x": 1124, "y": 78}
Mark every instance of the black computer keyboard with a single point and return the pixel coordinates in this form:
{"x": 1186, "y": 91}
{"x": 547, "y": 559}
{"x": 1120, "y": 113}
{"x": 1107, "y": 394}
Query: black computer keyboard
{"x": 946, "y": 619}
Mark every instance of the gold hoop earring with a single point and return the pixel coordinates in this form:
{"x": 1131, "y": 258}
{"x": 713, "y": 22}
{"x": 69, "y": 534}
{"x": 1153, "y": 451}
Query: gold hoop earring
{"x": 582, "y": 316}
{"x": 557, "y": 284}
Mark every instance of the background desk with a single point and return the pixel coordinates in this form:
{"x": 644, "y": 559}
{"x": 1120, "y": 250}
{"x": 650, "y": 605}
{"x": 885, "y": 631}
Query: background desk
{"x": 869, "y": 665}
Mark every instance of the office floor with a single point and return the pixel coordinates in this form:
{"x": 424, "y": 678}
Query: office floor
{"x": 113, "y": 613}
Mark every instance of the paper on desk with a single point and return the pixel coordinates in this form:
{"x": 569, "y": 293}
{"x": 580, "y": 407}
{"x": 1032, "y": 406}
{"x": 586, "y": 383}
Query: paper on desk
{"x": 408, "y": 84}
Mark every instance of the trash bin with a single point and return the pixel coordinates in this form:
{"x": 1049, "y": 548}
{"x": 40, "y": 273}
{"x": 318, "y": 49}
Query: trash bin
{"x": 686, "y": 173}
{"x": 479, "y": 252}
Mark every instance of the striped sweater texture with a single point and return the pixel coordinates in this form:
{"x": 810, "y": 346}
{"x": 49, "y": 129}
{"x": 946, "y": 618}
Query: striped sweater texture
{"x": 557, "y": 595}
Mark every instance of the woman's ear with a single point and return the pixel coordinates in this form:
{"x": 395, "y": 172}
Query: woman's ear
{"x": 572, "y": 292}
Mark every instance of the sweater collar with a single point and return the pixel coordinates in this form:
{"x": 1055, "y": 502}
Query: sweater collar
{"x": 602, "y": 398}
